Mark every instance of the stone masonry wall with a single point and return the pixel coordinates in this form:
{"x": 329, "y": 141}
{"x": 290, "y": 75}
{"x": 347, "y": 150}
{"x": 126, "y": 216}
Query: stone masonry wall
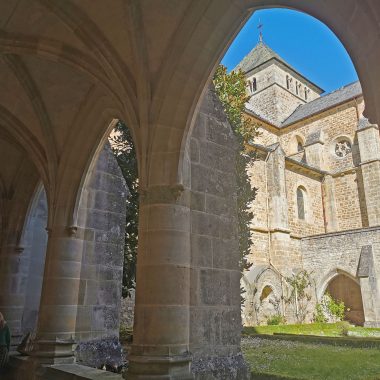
{"x": 325, "y": 254}
{"x": 314, "y": 222}
{"x": 349, "y": 194}
{"x": 102, "y": 213}
{"x": 215, "y": 278}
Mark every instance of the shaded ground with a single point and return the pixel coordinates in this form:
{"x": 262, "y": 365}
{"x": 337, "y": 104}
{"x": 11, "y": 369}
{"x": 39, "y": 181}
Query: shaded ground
{"x": 296, "y": 360}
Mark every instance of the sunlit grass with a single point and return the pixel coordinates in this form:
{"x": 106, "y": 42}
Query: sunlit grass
{"x": 310, "y": 361}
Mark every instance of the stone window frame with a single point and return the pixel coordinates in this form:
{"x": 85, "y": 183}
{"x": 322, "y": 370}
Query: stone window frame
{"x": 333, "y": 145}
{"x": 295, "y": 141}
{"x": 307, "y": 207}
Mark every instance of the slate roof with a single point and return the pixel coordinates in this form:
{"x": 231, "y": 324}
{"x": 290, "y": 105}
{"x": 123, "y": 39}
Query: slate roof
{"x": 324, "y": 102}
{"x": 260, "y": 54}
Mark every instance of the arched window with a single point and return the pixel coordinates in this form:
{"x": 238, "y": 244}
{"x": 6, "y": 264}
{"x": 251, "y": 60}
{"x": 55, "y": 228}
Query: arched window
{"x": 287, "y": 82}
{"x": 305, "y": 93}
{"x": 297, "y": 88}
{"x": 254, "y": 85}
{"x": 301, "y": 202}
{"x": 267, "y": 290}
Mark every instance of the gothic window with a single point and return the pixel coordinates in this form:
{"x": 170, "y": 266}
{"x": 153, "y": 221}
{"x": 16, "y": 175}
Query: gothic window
{"x": 267, "y": 290}
{"x": 298, "y": 144}
{"x": 297, "y": 88}
{"x": 301, "y": 203}
{"x": 287, "y": 82}
{"x": 305, "y": 93}
{"x": 342, "y": 148}
{"x": 254, "y": 86}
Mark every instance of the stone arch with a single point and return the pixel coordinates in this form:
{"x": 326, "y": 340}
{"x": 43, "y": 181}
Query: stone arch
{"x": 258, "y": 308}
{"x": 344, "y": 287}
{"x": 322, "y": 13}
{"x": 329, "y": 276}
{"x": 298, "y": 143}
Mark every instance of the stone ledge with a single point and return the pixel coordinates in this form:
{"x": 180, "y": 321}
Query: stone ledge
{"x": 77, "y": 372}
{"x": 344, "y": 232}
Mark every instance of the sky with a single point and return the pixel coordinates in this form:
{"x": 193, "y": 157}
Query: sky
{"x": 301, "y": 40}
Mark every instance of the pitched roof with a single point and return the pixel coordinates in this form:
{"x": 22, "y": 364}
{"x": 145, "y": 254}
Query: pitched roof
{"x": 324, "y": 102}
{"x": 260, "y": 54}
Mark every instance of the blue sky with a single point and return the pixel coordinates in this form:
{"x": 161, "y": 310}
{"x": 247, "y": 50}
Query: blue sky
{"x": 301, "y": 40}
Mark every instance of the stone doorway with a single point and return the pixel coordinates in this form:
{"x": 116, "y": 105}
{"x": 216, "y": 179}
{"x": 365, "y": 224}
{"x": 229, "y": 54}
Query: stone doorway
{"x": 346, "y": 289}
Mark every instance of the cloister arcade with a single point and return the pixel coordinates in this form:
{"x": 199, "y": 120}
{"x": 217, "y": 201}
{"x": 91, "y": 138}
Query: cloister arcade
{"x": 67, "y": 70}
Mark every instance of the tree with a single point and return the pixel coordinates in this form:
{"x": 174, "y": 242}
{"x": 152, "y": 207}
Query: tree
{"x": 231, "y": 89}
{"x": 125, "y": 153}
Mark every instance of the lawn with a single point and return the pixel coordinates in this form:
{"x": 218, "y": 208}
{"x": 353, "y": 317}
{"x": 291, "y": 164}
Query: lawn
{"x": 322, "y": 329}
{"x": 296, "y": 360}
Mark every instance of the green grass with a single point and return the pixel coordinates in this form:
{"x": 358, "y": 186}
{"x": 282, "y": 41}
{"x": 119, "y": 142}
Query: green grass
{"x": 310, "y": 361}
{"x": 322, "y": 329}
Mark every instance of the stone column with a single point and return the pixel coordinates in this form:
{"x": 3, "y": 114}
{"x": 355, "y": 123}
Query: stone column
{"x": 60, "y": 297}
{"x": 13, "y": 280}
{"x": 314, "y": 150}
{"x": 369, "y": 147}
{"x": 162, "y": 314}
{"x": 328, "y": 191}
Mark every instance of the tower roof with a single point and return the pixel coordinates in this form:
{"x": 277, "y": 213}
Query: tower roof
{"x": 260, "y": 54}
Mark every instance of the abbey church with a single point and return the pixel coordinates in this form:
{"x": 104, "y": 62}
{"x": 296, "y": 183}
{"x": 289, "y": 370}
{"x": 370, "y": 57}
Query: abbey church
{"x": 317, "y": 209}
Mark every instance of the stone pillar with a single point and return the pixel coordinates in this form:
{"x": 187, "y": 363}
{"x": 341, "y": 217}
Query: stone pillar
{"x": 280, "y": 249}
{"x": 13, "y": 280}
{"x": 328, "y": 191}
{"x": 314, "y": 150}
{"x": 278, "y": 205}
{"x": 162, "y": 314}
{"x": 60, "y": 297}
{"x": 369, "y": 276}
{"x": 369, "y": 147}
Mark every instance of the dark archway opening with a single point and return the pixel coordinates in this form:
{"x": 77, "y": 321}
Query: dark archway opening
{"x": 345, "y": 289}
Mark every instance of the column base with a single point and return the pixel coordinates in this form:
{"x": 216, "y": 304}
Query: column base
{"x": 159, "y": 367}
{"x": 58, "y": 351}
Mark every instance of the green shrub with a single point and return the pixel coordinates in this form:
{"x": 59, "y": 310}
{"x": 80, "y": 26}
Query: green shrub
{"x": 276, "y": 319}
{"x": 335, "y": 307}
{"x": 319, "y": 315}
{"x": 344, "y": 328}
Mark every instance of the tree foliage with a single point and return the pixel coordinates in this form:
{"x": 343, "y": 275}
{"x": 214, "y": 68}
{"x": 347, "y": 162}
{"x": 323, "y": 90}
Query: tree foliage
{"x": 125, "y": 153}
{"x": 299, "y": 293}
{"x": 231, "y": 89}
